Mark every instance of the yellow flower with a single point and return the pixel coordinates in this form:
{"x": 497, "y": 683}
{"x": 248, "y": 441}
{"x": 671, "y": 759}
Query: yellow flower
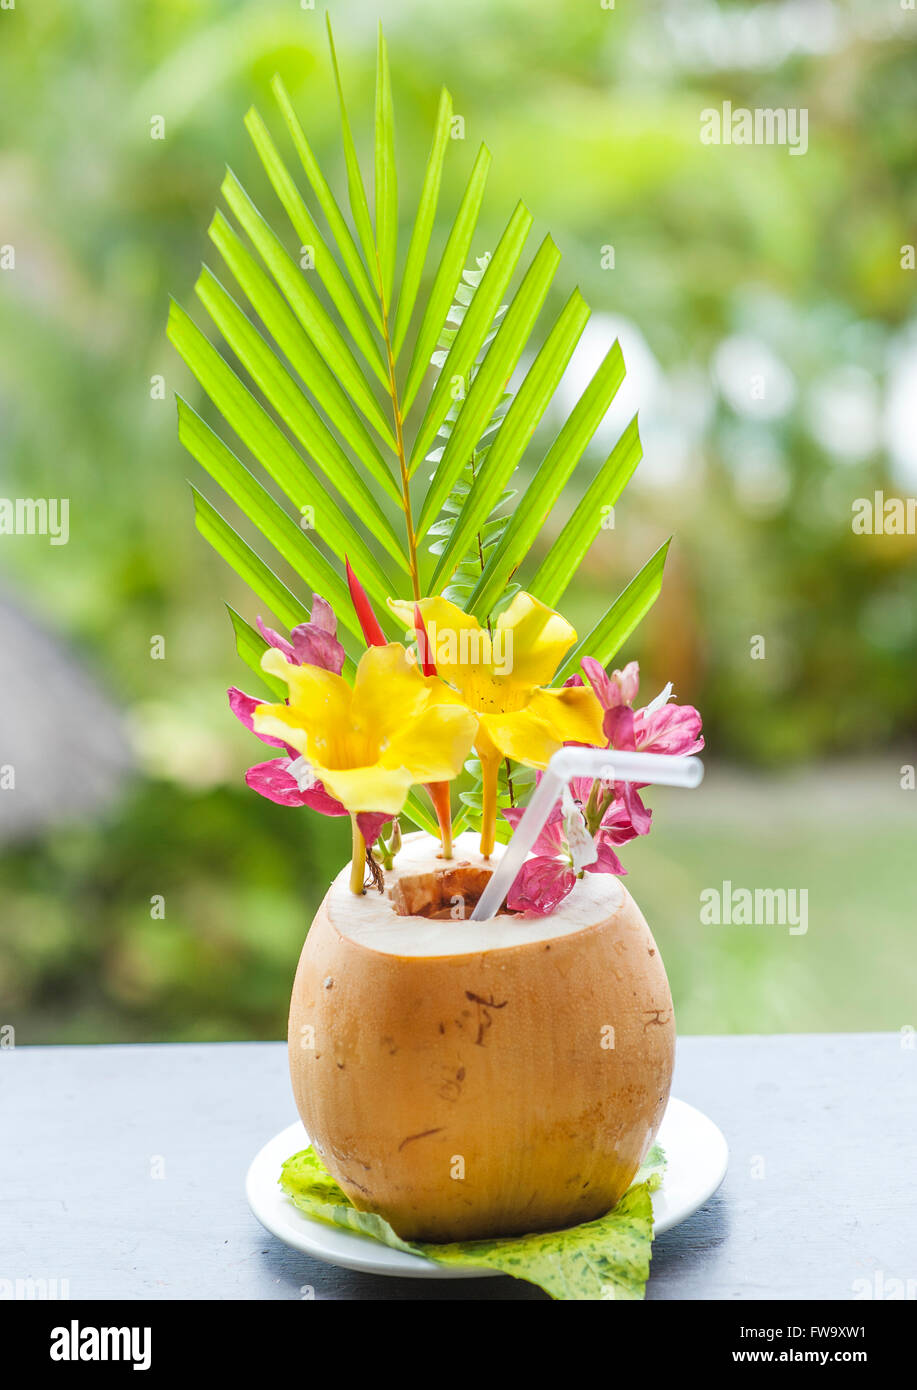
{"x": 503, "y": 677}
{"x": 368, "y": 745}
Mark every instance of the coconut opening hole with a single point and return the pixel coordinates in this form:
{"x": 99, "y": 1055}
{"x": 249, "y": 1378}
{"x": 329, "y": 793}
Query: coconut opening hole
{"x": 444, "y": 895}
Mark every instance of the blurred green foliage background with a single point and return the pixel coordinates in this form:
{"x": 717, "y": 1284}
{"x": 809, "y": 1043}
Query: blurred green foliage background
{"x": 731, "y": 264}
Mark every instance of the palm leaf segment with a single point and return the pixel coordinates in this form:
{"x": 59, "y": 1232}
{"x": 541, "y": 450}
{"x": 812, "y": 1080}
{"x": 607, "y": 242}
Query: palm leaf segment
{"x": 490, "y": 533}
{"x": 319, "y": 378}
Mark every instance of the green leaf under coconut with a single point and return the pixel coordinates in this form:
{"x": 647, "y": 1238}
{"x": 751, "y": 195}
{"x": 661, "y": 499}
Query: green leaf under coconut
{"x": 652, "y": 1169}
{"x": 604, "y": 1259}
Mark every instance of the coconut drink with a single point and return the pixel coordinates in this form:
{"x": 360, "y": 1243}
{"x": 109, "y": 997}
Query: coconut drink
{"x": 460, "y": 1078}
{"x": 465, "y": 1079}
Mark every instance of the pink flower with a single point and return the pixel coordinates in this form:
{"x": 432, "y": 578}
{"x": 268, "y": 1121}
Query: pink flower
{"x": 544, "y": 880}
{"x": 313, "y": 643}
{"x": 616, "y": 826}
{"x": 620, "y": 688}
{"x": 288, "y": 780}
{"x": 561, "y": 853}
{"x": 659, "y": 728}
{"x": 594, "y": 817}
{"x": 541, "y": 885}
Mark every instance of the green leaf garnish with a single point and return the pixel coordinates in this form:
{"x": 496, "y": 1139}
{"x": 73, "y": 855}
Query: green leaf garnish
{"x": 604, "y": 1259}
{"x": 323, "y": 342}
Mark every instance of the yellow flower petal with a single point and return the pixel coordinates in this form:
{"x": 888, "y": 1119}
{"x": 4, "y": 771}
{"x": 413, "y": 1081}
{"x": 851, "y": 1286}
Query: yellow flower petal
{"x": 459, "y": 646}
{"x": 373, "y": 788}
{"x": 280, "y": 721}
{"x": 484, "y": 745}
{"x": 572, "y": 713}
{"x": 317, "y": 722}
{"x": 433, "y": 747}
{"x": 314, "y": 691}
{"x": 388, "y": 690}
{"x": 550, "y": 719}
{"x": 520, "y": 735}
{"x": 441, "y": 694}
{"x": 540, "y": 638}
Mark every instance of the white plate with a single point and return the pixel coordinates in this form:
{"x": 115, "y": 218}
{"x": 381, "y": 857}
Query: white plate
{"x": 695, "y": 1149}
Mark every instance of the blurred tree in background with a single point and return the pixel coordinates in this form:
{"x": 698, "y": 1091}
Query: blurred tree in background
{"x": 768, "y": 328}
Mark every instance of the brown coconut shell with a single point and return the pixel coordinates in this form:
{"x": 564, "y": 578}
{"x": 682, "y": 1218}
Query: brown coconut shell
{"x": 466, "y": 1080}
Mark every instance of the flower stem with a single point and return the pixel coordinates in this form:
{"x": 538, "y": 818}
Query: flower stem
{"x": 509, "y": 782}
{"x": 358, "y": 862}
{"x": 489, "y": 773}
{"x": 439, "y": 795}
{"x": 590, "y": 810}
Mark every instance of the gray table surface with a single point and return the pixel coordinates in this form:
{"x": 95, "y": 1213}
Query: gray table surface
{"x": 122, "y": 1171}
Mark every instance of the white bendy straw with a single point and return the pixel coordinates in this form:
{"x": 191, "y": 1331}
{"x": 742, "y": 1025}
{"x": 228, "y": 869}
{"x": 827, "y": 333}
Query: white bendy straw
{"x": 663, "y": 769}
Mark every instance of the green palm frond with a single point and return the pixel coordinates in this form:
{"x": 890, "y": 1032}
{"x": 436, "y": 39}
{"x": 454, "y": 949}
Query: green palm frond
{"x": 317, "y": 361}
{"x": 489, "y": 532}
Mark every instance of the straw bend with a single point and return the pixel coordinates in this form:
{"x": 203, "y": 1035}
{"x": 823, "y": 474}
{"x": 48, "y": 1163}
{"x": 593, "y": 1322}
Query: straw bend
{"x": 612, "y": 765}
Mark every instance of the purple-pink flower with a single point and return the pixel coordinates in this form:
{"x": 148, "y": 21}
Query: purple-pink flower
{"x": 594, "y": 817}
{"x": 566, "y": 847}
{"x": 658, "y": 728}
